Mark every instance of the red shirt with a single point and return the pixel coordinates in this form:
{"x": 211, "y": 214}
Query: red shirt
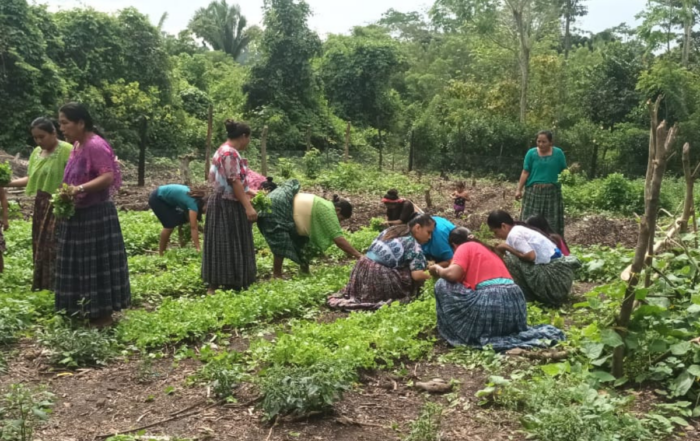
{"x": 479, "y": 264}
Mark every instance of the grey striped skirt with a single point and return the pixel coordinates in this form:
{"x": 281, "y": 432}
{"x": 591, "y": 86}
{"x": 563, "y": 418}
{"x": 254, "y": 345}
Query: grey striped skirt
{"x": 228, "y": 260}
{"x": 493, "y": 316}
{"x": 549, "y": 283}
{"x": 92, "y": 275}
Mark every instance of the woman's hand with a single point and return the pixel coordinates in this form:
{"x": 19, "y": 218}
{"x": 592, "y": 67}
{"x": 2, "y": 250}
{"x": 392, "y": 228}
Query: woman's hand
{"x": 518, "y": 195}
{"x": 502, "y": 248}
{"x": 434, "y": 270}
{"x": 251, "y": 214}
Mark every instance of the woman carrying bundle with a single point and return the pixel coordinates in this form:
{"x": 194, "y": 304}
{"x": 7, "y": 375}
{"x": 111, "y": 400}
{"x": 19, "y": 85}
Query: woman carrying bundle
{"x": 535, "y": 263}
{"x": 301, "y": 221}
{"x": 92, "y": 276}
{"x": 47, "y": 164}
{"x": 393, "y": 270}
{"x": 175, "y": 205}
{"x": 399, "y": 210}
{"x": 228, "y": 260}
{"x": 479, "y": 305}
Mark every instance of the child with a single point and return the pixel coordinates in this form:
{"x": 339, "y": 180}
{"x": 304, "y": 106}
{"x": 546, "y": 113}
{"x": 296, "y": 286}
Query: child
{"x": 541, "y": 224}
{"x": 461, "y": 197}
{"x": 4, "y": 226}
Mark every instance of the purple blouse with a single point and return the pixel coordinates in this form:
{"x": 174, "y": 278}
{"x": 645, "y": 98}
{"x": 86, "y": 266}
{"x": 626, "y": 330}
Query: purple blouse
{"x": 87, "y": 162}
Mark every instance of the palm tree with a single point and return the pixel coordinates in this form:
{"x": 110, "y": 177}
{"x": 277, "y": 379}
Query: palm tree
{"x": 222, "y": 27}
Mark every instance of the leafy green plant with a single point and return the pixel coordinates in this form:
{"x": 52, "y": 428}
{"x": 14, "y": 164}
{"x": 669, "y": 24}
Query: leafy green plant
{"x": 312, "y": 164}
{"x": 223, "y": 371}
{"x": 427, "y": 426}
{"x": 63, "y": 203}
{"x": 302, "y": 390}
{"x": 74, "y": 346}
{"x": 22, "y": 409}
{"x": 377, "y": 224}
{"x": 285, "y": 168}
{"x": 5, "y": 174}
{"x": 262, "y": 203}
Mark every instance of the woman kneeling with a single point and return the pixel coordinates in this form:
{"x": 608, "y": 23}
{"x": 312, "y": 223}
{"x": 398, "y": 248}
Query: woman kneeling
{"x": 479, "y": 305}
{"x": 537, "y": 265}
{"x": 393, "y": 269}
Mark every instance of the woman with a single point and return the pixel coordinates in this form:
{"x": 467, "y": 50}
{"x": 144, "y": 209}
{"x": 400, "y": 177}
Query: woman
{"x": 301, "y": 222}
{"x": 540, "y": 179}
{"x": 479, "y": 305}
{"x": 535, "y": 263}
{"x": 47, "y": 164}
{"x": 540, "y": 223}
{"x": 175, "y": 205}
{"x": 393, "y": 269}
{"x": 92, "y": 276}
{"x": 398, "y": 210}
{"x": 229, "y": 253}
{"x": 438, "y": 248}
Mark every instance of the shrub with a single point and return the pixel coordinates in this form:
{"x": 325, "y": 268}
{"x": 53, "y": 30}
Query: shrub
{"x": 76, "y": 347}
{"x": 223, "y": 371}
{"x": 285, "y": 168}
{"x": 21, "y": 411}
{"x": 312, "y": 164}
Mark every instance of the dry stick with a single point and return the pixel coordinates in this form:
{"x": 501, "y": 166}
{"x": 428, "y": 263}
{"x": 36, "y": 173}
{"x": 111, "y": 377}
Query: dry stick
{"x": 148, "y": 426}
{"x": 269, "y": 435}
{"x": 197, "y": 404}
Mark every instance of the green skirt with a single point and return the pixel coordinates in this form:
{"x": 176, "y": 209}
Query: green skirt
{"x": 549, "y": 283}
{"x": 545, "y": 201}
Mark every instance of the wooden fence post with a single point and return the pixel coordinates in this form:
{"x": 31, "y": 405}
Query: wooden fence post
{"x": 346, "y": 158}
{"x": 263, "y": 152}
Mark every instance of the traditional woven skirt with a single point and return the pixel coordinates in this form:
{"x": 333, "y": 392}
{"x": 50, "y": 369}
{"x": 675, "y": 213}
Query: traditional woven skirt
{"x": 373, "y": 285}
{"x": 92, "y": 276}
{"x": 493, "y": 316}
{"x": 545, "y": 201}
{"x": 279, "y": 229}
{"x": 549, "y": 283}
{"x": 228, "y": 261}
{"x": 44, "y": 242}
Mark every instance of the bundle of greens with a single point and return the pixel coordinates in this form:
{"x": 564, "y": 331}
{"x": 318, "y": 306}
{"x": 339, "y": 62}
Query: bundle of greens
{"x": 262, "y": 203}
{"x": 5, "y": 174}
{"x": 63, "y": 203}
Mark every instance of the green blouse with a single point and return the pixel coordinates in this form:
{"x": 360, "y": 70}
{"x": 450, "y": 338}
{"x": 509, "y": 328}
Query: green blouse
{"x": 325, "y": 226}
{"x": 46, "y": 174}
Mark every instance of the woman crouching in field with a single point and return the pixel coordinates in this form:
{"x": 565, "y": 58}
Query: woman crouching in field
{"x": 393, "y": 269}
{"x": 479, "y": 304}
{"x": 175, "y": 205}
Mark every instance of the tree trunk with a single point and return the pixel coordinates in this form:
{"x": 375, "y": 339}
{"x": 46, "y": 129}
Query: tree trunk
{"x": 411, "y": 152}
{"x": 567, "y": 29}
{"x": 142, "y": 152}
{"x": 594, "y": 161}
{"x": 308, "y": 137}
{"x": 524, "y": 59}
{"x": 689, "y": 205}
{"x": 207, "y": 153}
{"x": 381, "y": 150}
{"x": 660, "y": 148}
{"x": 263, "y": 152}
{"x": 346, "y": 157}
{"x": 185, "y": 173}
{"x": 687, "y": 39}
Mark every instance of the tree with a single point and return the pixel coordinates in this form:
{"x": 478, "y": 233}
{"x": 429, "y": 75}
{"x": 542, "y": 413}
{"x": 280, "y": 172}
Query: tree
{"x": 570, "y": 10}
{"x": 666, "y": 21}
{"x": 282, "y": 88}
{"x": 223, "y": 27}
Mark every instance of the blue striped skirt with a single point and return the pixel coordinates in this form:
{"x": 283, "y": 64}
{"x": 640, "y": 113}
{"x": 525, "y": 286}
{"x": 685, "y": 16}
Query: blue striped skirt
{"x": 495, "y": 315}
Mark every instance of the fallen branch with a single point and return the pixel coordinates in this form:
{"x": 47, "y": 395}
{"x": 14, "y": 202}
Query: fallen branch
{"x": 345, "y": 421}
{"x": 148, "y": 426}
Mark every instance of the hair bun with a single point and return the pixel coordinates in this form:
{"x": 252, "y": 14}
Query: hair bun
{"x": 336, "y": 198}
{"x": 393, "y": 192}
{"x": 230, "y": 124}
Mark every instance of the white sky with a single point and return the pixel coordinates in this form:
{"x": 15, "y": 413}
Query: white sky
{"x": 337, "y": 16}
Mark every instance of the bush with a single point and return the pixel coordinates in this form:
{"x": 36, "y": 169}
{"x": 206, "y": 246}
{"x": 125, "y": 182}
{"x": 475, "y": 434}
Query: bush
{"x": 223, "y": 371}
{"x": 76, "y": 347}
{"x": 21, "y": 411}
{"x": 302, "y": 390}
{"x": 285, "y": 168}
{"x": 617, "y": 193}
{"x": 312, "y": 164}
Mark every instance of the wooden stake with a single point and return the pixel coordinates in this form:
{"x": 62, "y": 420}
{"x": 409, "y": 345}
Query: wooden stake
{"x": 308, "y": 137}
{"x": 207, "y": 154}
{"x": 346, "y": 158}
{"x": 263, "y": 152}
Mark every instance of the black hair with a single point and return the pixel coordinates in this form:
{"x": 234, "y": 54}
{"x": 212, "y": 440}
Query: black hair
{"x": 44, "y": 124}
{"x": 392, "y": 195}
{"x": 343, "y": 205}
{"x": 498, "y": 218}
{"x": 404, "y": 230}
{"x": 461, "y": 235}
{"x": 546, "y": 133}
{"x": 76, "y": 112}
{"x": 541, "y": 224}
{"x": 235, "y": 130}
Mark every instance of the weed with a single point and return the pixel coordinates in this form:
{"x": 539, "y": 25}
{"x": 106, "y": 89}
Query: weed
{"x": 21, "y": 411}
{"x": 427, "y": 426}
{"x": 71, "y": 345}
{"x": 145, "y": 371}
{"x": 223, "y": 371}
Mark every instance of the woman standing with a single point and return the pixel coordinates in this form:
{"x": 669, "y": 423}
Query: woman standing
{"x": 175, "y": 205}
{"x": 540, "y": 181}
{"x": 229, "y": 254}
{"x": 393, "y": 270}
{"x": 535, "y": 263}
{"x": 300, "y": 222}
{"x": 92, "y": 276}
{"x": 47, "y": 164}
{"x": 479, "y": 305}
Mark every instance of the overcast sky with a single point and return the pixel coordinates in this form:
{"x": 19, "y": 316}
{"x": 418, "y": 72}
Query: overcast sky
{"x": 337, "y": 16}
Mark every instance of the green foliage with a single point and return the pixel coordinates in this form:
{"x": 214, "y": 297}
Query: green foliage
{"x": 63, "y": 203}
{"x": 427, "y": 426}
{"x": 22, "y": 410}
{"x": 223, "y": 371}
{"x": 5, "y": 174}
{"x": 285, "y": 168}
{"x": 312, "y": 164}
{"x": 223, "y": 27}
{"x": 74, "y": 346}
{"x": 299, "y": 391}
{"x": 262, "y": 203}
{"x": 377, "y": 224}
